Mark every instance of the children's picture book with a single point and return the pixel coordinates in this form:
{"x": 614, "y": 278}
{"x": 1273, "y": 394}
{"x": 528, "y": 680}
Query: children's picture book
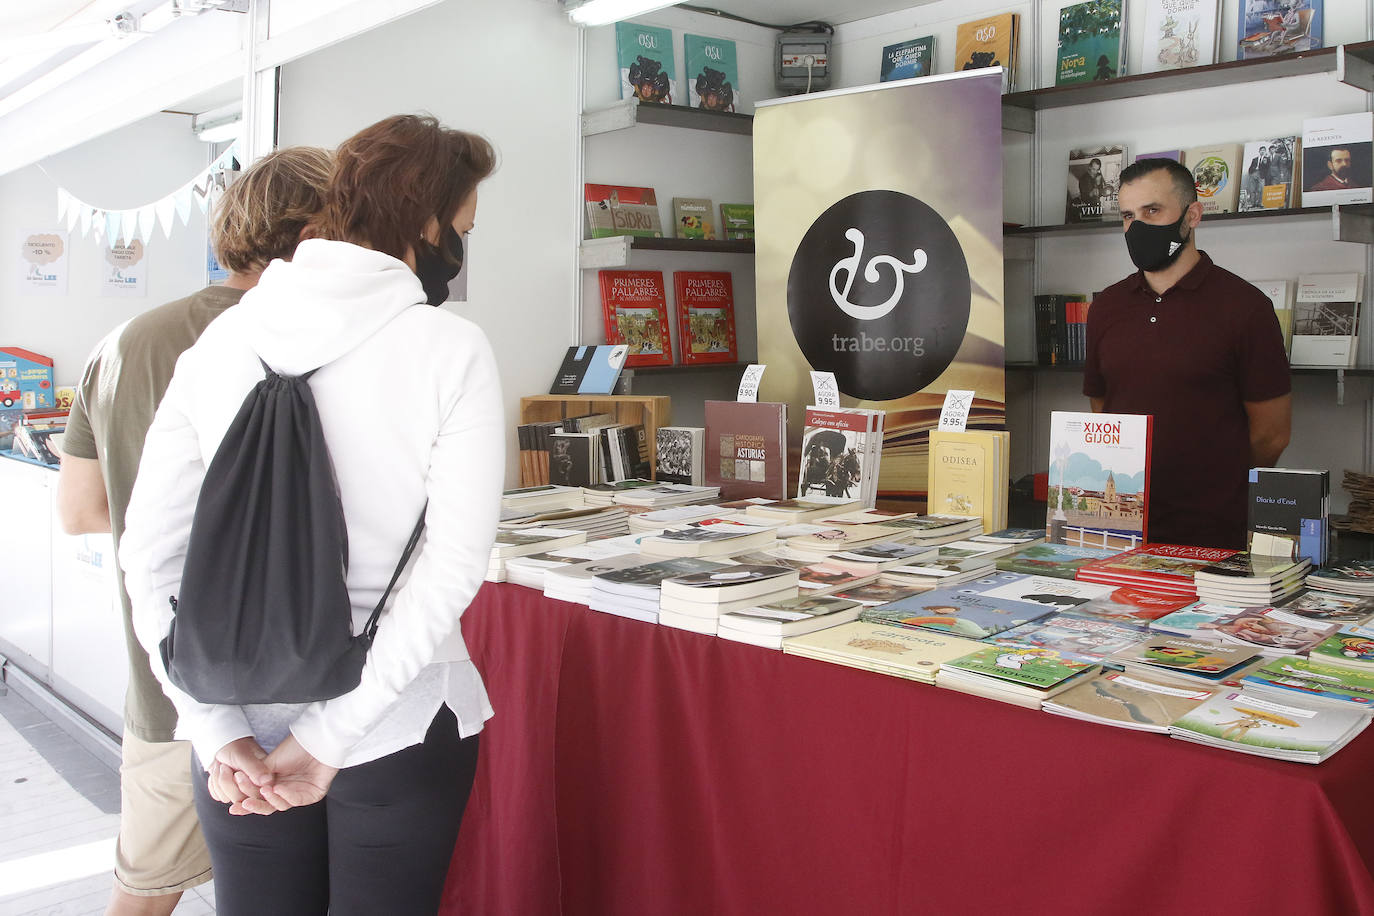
{"x": 26, "y": 379}
{"x": 1303, "y": 679}
{"x": 1090, "y": 46}
{"x": 746, "y": 449}
{"x": 1059, "y": 560}
{"x": 1326, "y": 313}
{"x": 618, "y": 210}
{"x": 636, "y": 315}
{"x": 693, "y": 218}
{"x": 1132, "y": 605}
{"x": 737, "y": 221}
{"x": 1246, "y": 721}
{"x": 907, "y": 59}
{"x": 1034, "y": 668}
{"x": 1072, "y": 636}
{"x": 988, "y": 42}
{"x": 1337, "y": 159}
{"x": 1288, "y": 513}
{"x": 712, "y": 73}
{"x": 913, "y": 654}
{"x": 1198, "y": 658}
{"x": 647, "y": 69}
{"x": 1270, "y": 27}
{"x": 1099, "y": 480}
{"x": 1094, "y": 180}
{"x": 1216, "y": 175}
{"x": 705, "y": 316}
{"x": 590, "y": 370}
{"x": 958, "y": 610}
{"x": 1127, "y": 701}
{"x": 1266, "y": 174}
{"x": 1168, "y": 568}
{"x": 1180, "y": 33}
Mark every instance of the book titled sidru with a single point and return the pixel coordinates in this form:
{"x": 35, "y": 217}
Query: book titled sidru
{"x": 622, "y": 210}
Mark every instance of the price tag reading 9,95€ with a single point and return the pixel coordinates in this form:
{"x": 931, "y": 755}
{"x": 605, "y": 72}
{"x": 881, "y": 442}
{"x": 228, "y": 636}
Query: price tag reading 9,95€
{"x": 954, "y": 415}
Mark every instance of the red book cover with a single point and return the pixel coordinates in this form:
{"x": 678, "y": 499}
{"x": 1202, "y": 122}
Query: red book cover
{"x": 636, "y": 314}
{"x": 1165, "y": 567}
{"x": 746, "y": 449}
{"x": 705, "y": 316}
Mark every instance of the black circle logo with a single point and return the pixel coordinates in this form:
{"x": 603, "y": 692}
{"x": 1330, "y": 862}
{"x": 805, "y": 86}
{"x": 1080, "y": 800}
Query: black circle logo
{"x": 879, "y": 294}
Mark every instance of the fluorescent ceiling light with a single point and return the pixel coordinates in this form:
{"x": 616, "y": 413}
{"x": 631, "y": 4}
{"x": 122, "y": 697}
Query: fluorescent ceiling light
{"x": 601, "y": 12}
{"x": 219, "y": 129}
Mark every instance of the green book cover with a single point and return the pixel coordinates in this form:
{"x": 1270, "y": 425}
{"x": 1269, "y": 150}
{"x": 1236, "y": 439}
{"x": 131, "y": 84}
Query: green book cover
{"x": 737, "y": 220}
{"x": 647, "y": 69}
{"x": 1312, "y": 678}
{"x": 1089, "y": 42}
{"x": 712, "y": 73}
{"x": 1026, "y": 666}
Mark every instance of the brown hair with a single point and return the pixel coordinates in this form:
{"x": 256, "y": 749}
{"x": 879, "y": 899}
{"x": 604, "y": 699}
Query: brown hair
{"x": 391, "y": 178}
{"x": 1178, "y": 175}
{"x": 260, "y": 216}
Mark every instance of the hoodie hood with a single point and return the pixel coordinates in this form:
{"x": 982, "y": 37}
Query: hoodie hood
{"x": 328, "y": 299}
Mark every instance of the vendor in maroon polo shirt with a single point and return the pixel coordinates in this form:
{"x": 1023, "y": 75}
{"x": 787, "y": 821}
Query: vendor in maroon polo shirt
{"x": 1197, "y": 348}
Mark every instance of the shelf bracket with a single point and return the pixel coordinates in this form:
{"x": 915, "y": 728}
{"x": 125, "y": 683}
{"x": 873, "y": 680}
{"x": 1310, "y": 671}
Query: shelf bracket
{"x": 1353, "y": 223}
{"x": 1019, "y": 119}
{"x": 1340, "y": 387}
{"x": 619, "y": 116}
{"x": 595, "y": 254}
{"x": 1354, "y": 70}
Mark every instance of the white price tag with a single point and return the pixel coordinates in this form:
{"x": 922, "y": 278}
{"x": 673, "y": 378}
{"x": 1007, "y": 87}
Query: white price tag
{"x": 954, "y": 415}
{"x": 749, "y": 384}
{"x": 826, "y": 392}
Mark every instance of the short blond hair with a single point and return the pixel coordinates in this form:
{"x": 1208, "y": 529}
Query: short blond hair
{"x": 260, "y": 217}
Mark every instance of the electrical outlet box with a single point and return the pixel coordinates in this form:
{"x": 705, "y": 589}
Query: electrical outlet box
{"x": 802, "y": 61}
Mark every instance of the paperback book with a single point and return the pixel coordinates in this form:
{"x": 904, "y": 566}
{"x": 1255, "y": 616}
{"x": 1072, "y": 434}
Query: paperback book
{"x": 913, "y": 654}
{"x": 1073, "y": 637}
{"x": 907, "y": 59}
{"x": 1280, "y": 292}
{"x": 1288, "y": 513}
{"x": 1167, "y": 568}
{"x": 1345, "y": 650}
{"x": 1094, "y": 180}
{"x": 1132, "y": 605}
{"x": 1336, "y": 160}
{"x": 1266, "y": 28}
{"x": 1027, "y": 673}
{"x": 1245, "y": 721}
{"x": 1091, "y": 44}
{"x": 746, "y": 449}
{"x": 1350, "y": 576}
{"x": 636, "y": 315}
{"x": 648, "y": 71}
{"x": 1326, "y": 315}
{"x": 705, "y": 316}
{"x": 958, "y": 611}
{"x": 1194, "y": 657}
{"x": 589, "y": 370}
{"x": 1267, "y": 168}
{"x": 1059, "y": 560}
{"x": 840, "y": 455}
{"x": 681, "y": 455}
{"x": 1099, "y": 479}
{"x": 619, "y": 210}
{"x": 769, "y": 624}
{"x": 712, "y": 73}
{"x": 1216, "y": 175}
{"x": 1180, "y": 33}
{"x": 1305, "y": 679}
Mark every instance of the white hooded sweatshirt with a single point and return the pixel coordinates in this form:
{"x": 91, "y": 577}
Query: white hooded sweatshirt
{"x": 410, "y": 403}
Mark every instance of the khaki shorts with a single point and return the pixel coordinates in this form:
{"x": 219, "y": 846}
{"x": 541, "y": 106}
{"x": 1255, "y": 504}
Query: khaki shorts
{"x": 160, "y": 849}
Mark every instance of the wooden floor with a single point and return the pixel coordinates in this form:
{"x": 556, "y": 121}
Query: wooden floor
{"x": 59, "y": 813}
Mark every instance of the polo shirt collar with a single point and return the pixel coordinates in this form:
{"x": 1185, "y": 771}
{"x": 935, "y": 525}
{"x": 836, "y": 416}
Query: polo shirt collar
{"x": 1191, "y": 280}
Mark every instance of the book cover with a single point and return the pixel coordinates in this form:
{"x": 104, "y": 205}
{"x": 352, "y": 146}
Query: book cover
{"x": 621, "y": 210}
{"x": 589, "y": 370}
{"x": 988, "y": 42}
{"x": 1089, "y": 42}
{"x": 746, "y": 449}
{"x": 958, "y": 611}
{"x": 1247, "y": 721}
{"x": 573, "y": 460}
{"x": 1280, "y": 292}
{"x": 1059, "y": 560}
{"x": 1127, "y": 701}
{"x": 1328, "y": 607}
{"x": 1270, "y": 27}
{"x": 1216, "y": 174}
{"x": 1180, "y": 33}
{"x": 1167, "y": 567}
{"x": 737, "y": 221}
{"x": 705, "y": 316}
{"x": 26, "y": 379}
{"x": 651, "y": 575}
{"x": 693, "y": 218}
{"x": 1099, "y": 479}
{"x": 636, "y": 315}
{"x": 1038, "y": 669}
{"x": 963, "y": 474}
{"x": 647, "y": 69}
{"x": 1336, "y": 160}
{"x": 916, "y": 654}
{"x": 793, "y": 614}
{"x": 680, "y": 455}
{"x": 712, "y": 73}
{"x": 1266, "y": 177}
{"x": 1303, "y": 677}
{"x": 1094, "y": 180}
{"x": 1177, "y": 653}
{"x": 835, "y": 455}
{"x": 1326, "y": 314}
{"x": 1345, "y": 649}
{"x": 1272, "y": 632}
{"x": 1073, "y": 637}
{"x": 1054, "y": 592}
{"x": 907, "y": 59}
{"x": 1288, "y": 513}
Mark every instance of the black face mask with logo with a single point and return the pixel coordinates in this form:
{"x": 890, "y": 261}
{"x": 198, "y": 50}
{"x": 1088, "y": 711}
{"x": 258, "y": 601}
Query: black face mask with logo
{"x": 1153, "y": 248}
{"x": 436, "y": 265}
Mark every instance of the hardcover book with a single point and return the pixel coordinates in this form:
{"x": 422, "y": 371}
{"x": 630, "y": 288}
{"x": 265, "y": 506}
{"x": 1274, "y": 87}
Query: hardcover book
{"x": 839, "y": 456}
{"x": 1090, "y": 46}
{"x": 1160, "y": 567}
{"x": 1336, "y": 160}
{"x": 1180, "y": 33}
{"x": 746, "y": 449}
{"x": 647, "y": 69}
{"x": 968, "y": 475}
{"x": 1094, "y": 180}
{"x": 705, "y": 316}
{"x": 1326, "y": 316}
{"x": 1266, "y": 176}
{"x": 589, "y": 370}
{"x": 1288, "y": 513}
{"x": 619, "y": 210}
{"x": 989, "y": 42}
{"x": 1269, "y": 27}
{"x": 1099, "y": 479}
{"x": 712, "y": 73}
{"x": 693, "y": 218}
{"x": 1216, "y": 174}
{"x": 907, "y": 59}
{"x": 636, "y": 315}
{"x": 737, "y": 220}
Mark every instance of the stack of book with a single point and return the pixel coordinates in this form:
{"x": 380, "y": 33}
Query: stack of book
{"x": 1132, "y": 605}
{"x": 1246, "y": 579}
{"x": 604, "y": 494}
{"x": 710, "y": 537}
{"x": 916, "y": 655}
{"x": 1346, "y": 650}
{"x": 634, "y": 591}
{"x": 522, "y": 543}
{"x": 1021, "y": 676}
{"x": 939, "y": 573}
{"x": 968, "y": 475}
{"x": 1016, "y": 538}
{"x": 878, "y": 592}
{"x": 674, "y": 516}
{"x": 529, "y": 571}
{"x": 696, "y": 601}
{"x": 666, "y": 494}
{"x": 1350, "y": 577}
{"x": 1312, "y": 682}
{"x": 841, "y": 451}
{"x": 795, "y": 511}
{"x": 960, "y": 612}
{"x": 530, "y": 501}
{"x": 770, "y": 623}
{"x": 1166, "y": 568}
{"x": 574, "y": 582}
{"x": 1349, "y": 612}
{"x": 822, "y": 578}
{"x": 1062, "y": 561}
{"x": 1189, "y": 662}
{"x": 596, "y": 521}
{"x": 1244, "y": 721}
{"x": 1127, "y": 701}
{"x": 1265, "y": 629}
{"x": 845, "y": 537}
{"x": 871, "y": 559}
{"x": 932, "y": 530}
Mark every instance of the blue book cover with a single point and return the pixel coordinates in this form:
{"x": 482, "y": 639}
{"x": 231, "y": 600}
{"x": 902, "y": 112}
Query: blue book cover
{"x": 960, "y": 610}
{"x": 712, "y": 73}
{"x": 590, "y": 370}
{"x": 1270, "y": 27}
{"x": 908, "y": 59}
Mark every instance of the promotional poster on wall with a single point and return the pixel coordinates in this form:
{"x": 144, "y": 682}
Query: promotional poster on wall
{"x": 124, "y": 269}
{"x": 43, "y": 263}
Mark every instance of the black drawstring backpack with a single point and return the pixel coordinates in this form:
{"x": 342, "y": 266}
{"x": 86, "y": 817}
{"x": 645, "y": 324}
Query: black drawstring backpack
{"x": 264, "y": 614}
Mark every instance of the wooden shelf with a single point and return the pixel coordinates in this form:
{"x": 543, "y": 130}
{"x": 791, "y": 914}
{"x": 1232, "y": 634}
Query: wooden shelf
{"x": 629, "y": 112}
{"x": 653, "y": 411}
{"x": 615, "y": 250}
{"x": 677, "y": 369}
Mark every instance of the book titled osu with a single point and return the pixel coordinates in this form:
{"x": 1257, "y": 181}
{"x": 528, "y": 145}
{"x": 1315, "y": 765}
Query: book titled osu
{"x": 636, "y": 314}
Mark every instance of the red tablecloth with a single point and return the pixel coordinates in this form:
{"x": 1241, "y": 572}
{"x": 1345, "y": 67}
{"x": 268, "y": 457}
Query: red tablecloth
{"x": 640, "y": 769}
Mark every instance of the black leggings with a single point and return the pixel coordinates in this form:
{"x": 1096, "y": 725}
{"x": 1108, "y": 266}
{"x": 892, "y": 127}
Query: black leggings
{"x": 379, "y": 842}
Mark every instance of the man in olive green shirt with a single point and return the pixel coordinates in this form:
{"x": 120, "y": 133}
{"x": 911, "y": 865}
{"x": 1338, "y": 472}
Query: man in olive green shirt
{"x": 260, "y": 217}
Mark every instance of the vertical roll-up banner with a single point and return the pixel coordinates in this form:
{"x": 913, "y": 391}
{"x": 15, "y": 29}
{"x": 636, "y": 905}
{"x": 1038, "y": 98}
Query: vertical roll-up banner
{"x": 878, "y": 216}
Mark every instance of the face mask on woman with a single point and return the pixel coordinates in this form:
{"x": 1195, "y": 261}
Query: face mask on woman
{"x": 434, "y": 269}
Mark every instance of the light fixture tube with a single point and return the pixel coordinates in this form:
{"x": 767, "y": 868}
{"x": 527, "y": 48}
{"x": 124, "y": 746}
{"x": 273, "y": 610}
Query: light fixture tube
{"x": 602, "y": 12}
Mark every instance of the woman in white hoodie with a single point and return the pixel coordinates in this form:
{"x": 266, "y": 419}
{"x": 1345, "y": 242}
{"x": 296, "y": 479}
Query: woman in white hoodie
{"x": 349, "y": 805}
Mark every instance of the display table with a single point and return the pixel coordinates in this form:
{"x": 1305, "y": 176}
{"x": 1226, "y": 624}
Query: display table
{"x": 637, "y": 769}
